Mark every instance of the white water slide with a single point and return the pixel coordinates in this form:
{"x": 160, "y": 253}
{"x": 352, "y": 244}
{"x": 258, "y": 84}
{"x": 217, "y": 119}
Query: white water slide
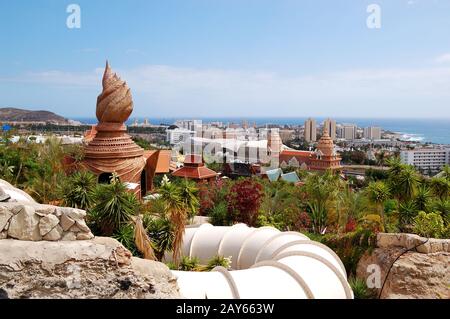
{"x": 266, "y": 264}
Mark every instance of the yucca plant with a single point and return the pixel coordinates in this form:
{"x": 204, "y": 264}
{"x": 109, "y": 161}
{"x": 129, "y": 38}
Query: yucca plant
{"x": 114, "y": 206}
{"x": 78, "y": 190}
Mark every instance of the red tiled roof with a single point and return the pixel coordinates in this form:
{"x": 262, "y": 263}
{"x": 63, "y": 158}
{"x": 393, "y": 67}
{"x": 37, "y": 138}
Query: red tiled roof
{"x": 296, "y": 153}
{"x": 195, "y": 172}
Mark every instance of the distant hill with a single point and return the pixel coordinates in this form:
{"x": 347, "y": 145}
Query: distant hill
{"x": 9, "y": 114}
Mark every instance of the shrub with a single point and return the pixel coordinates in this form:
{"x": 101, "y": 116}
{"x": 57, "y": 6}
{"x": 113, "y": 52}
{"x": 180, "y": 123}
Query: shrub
{"x": 218, "y": 216}
{"x": 78, "y": 190}
{"x": 188, "y": 264}
{"x": 244, "y": 200}
{"x": 218, "y": 261}
{"x": 125, "y": 235}
{"x": 350, "y": 246}
{"x": 114, "y": 207}
{"x": 429, "y": 225}
{"x": 360, "y": 289}
{"x": 161, "y": 233}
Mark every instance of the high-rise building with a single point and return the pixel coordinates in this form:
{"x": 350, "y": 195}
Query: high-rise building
{"x": 347, "y": 132}
{"x": 372, "y": 133}
{"x": 310, "y": 130}
{"x": 331, "y": 127}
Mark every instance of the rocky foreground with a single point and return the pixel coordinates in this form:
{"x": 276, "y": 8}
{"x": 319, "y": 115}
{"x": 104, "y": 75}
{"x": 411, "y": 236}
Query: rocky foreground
{"x": 96, "y": 268}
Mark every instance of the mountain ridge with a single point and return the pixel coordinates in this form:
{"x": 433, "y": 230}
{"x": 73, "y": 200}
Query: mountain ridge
{"x": 13, "y": 114}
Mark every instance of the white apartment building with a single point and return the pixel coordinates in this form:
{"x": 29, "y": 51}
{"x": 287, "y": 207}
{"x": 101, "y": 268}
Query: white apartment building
{"x": 192, "y": 125}
{"x": 426, "y": 159}
{"x": 178, "y": 135}
{"x": 372, "y": 133}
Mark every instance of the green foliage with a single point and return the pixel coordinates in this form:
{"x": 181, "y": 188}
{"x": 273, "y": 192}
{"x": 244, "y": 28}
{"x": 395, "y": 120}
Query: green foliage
{"x": 188, "y": 264}
{"x": 218, "y": 261}
{"x": 429, "y": 225}
{"x": 219, "y": 216}
{"x": 114, "y": 207}
{"x": 125, "y": 235}
{"x": 161, "y": 234}
{"x": 78, "y": 190}
{"x": 360, "y": 289}
{"x": 350, "y": 246}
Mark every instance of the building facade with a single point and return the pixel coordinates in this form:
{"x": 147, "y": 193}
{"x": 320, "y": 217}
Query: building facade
{"x": 372, "y": 133}
{"x": 330, "y": 125}
{"x": 347, "y": 132}
{"x": 310, "y": 130}
{"x": 425, "y": 159}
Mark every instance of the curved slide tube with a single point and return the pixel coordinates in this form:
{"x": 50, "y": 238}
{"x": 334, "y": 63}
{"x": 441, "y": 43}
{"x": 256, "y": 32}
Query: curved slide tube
{"x": 266, "y": 264}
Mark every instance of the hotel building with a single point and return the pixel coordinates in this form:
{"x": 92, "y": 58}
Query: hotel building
{"x": 426, "y": 159}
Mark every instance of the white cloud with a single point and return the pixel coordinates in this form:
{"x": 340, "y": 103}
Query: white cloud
{"x": 167, "y": 90}
{"x": 444, "y": 58}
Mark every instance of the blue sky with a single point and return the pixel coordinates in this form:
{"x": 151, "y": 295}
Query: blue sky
{"x": 221, "y": 58}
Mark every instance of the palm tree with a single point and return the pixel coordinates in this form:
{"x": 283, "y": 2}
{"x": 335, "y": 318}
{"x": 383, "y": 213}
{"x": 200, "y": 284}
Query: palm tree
{"x": 355, "y": 204}
{"x": 114, "y": 206}
{"x": 407, "y": 211}
{"x": 440, "y": 187}
{"x": 395, "y": 166}
{"x": 189, "y": 195}
{"x": 381, "y": 158}
{"x": 378, "y": 192}
{"x": 321, "y": 191}
{"x": 78, "y": 190}
{"x": 175, "y": 207}
{"x": 423, "y": 198}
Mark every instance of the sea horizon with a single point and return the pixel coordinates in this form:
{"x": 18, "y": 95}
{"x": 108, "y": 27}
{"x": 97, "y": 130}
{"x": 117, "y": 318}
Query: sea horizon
{"x": 422, "y": 130}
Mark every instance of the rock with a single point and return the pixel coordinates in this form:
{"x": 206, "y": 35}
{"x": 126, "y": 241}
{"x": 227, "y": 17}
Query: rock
{"x": 43, "y": 210}
{"x": 5, "y": 216}
{"x": 3, "y": 234}
{"x": 74, "y": 229}
{"x": 91, "y": 269}
{"x": 413, "y": 275}
{"x": 69, "y": 236}
{"x": 47, "y": 223}
{"x": 82, "y": 226}
{"x": 24, "y": 225}
{"x": 66, "y": 222}
{"x": 75, "y": 214}
{"x": 84, "y": 236}
{"x": 55, "y": 234}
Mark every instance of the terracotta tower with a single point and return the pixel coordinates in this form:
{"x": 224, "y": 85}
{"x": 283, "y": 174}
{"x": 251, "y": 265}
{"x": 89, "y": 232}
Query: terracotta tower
{"x": 325, "y": 156}
{"x": 112, "y": 150}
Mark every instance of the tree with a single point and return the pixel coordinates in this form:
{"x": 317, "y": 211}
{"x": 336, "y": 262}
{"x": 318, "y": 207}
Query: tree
{"x": 378, "y": 192}
{"x": 177, "y": 211}
{"x": 189, "y": 195}
{"x": 244, "y": 200}
{"x": 440, "y": 187}
{"x": 423, "y": 198}
{"x": 114, "y": 206}
{"x": 321, "y": 191}
{"x": 78, "y": 190}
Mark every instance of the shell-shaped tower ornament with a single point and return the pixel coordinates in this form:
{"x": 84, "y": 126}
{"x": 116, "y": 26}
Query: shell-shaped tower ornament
{"x": 114, "y": 104}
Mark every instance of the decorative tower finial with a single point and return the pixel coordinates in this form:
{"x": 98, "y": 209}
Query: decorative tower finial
{"x": 115, "y": 103}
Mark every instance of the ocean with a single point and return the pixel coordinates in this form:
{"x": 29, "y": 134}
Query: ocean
{"x": 419, "y": 130}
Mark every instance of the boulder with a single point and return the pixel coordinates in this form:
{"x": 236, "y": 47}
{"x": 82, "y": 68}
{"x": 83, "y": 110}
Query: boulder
{"x": 97, "y": 268}
{"x": 24, "y": 225}
{"x": 419, "y": 273}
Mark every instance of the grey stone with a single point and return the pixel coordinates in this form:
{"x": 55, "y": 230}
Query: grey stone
{"x": 4, "y": 234}
{"x": 24, "y": 225}
{"x": 47, "y": 223}
{"x": 66, "y": 222}
{"x": 5, "y": 216}
{"x": 55, "y": 234}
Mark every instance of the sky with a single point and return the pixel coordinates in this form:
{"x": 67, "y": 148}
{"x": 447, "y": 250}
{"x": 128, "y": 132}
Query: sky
{"x": 230, "y": 58}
